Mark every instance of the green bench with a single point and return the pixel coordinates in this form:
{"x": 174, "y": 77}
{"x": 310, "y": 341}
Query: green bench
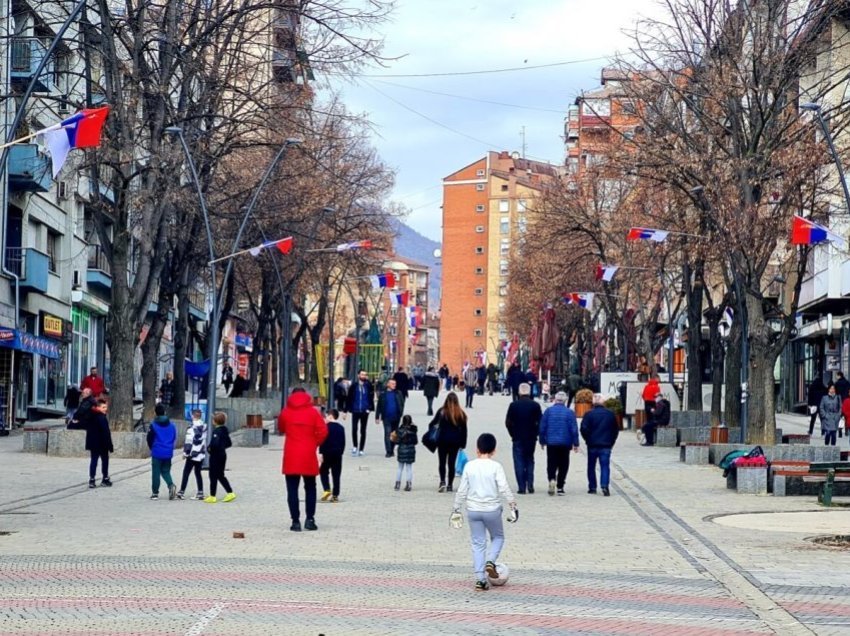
{"x": 828, "y": 473}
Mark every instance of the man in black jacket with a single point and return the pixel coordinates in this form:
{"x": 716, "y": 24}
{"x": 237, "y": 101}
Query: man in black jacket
{"x": 390, "y": 409}
{"x": 599, "y": 430}
{"x": 660, "y": 417}
{"x": 430, "y": 388}
{"x": 523, "y": 423}
{"x": 360, "y": 402}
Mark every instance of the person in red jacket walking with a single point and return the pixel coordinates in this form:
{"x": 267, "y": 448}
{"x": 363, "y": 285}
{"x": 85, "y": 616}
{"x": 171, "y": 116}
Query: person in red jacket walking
{"x": 652, "y": 389}
{"x": 94, "y": 382}
{"x": 305, "y": 430}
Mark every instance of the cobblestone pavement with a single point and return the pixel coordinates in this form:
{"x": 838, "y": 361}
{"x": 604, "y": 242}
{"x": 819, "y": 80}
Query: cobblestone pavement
{"x": 647, "y": 560}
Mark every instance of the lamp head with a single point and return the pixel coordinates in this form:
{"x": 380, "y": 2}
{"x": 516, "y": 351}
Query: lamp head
{"x": 294, "y": 141}
{"x": 697, "y": 189}
{"x": 329, "y": 209}
{"x": 812, "y": 106}
{"x": 173, "y": 130}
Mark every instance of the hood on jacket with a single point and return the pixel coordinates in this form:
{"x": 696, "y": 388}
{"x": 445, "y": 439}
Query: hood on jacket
{"x": 162, "y": 420}
{"x": 299, "y": 400}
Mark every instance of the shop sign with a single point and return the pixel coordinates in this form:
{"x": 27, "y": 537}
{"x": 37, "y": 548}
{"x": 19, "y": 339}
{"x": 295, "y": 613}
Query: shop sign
{"x": 243, "y": 340}
{"x": 52, "y": 326}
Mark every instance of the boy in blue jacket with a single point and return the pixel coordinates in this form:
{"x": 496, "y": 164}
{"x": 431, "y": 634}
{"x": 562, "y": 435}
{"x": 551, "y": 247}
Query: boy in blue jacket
{"x": 161, "y": 440}
{"x": 558, "y": 435}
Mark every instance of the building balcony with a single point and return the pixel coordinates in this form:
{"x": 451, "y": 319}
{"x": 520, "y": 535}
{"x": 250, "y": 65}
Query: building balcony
{"x": 30, "y": 266}
{"x": 29, "y": 170}
{"x": 27, "y": 54}
{"x": 99, "y": 272}
{"x": 197, "y": 303}
{"x": 595, "y": 121}
{"x": 283, "y": 66}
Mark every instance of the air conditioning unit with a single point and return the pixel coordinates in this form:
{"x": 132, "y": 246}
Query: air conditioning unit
{"x": 64, "y": 105}
{"x": 63, "y": 189}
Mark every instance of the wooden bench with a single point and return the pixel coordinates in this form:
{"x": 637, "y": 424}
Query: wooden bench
{"x": 828, "y": 473}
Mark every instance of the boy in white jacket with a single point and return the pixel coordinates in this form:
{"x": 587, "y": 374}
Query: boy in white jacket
{"x": 194, "y": 451}
{"x": 482, "y": 487}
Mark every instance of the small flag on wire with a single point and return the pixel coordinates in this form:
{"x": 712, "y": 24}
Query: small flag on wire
{"x": 413, "y": 316}
{"x": 386, "y": 279}
{"x": 356, "y": 245}
{"x": 646, "y": 234}
{"x": 606, "y": 272}
{"x": 284, "y": 245}
{"x": 584, "y": 300}
{"x": 806, "y": 232}
{"x": 80, "y": 130}
{"x": 400, "y": 298}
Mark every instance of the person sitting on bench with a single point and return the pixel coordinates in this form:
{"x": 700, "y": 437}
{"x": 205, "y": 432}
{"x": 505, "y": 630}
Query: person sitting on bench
{"x": 660, "y": 417}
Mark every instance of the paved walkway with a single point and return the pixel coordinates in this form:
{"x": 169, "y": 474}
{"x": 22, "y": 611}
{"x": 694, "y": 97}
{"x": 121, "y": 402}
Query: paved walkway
{"x": 647, "y": 560}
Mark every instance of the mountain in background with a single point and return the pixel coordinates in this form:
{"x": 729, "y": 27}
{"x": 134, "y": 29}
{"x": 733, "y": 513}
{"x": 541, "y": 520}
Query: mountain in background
{"x": 411, "y": 244}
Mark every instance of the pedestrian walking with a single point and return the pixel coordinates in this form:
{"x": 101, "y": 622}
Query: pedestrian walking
{"x": 305, "y": 431}
{"x": 470, "y": 382}
{"x": 430, "y": 388}
{"x": 219, "y": 443}
{"x": 94, "y": 382}
{"x": 71, "y": 402}
{"x": 390, "y": 410}
{"x": 652, "y": 388}
{"x": 523, "y": 423}
{"x": 559, "y": 436}
{"x": 87, "y": 403}
{"x": 483, "y": 486}
{"x": 406, "y": 438}
{"x": 330, "y": 455}
{"x": 402, "y": 382}
{"x": 815, "y": 394}
{"x": 227, "y": 377}
{"x": 492, "y": 378}
{"x": 830, "y": 413}
{"x": 599, "y": 430}
{"x": 194, "y": 452}
{"x": 451, "y": 437}
{"x": 167, "y": 390}
{"x": 842, "y": 389}
{"x": 161, "y": 438}
{"x": 481, "y": 370}
{"x": 341, "y": 394}
{"x": 99, "y": 443}
{"x": 445, "y": 376}
{"x": 514, "y": 378}
{"x": 361, "y": 402}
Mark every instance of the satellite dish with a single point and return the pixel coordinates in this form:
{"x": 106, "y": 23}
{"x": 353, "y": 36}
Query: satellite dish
{"x": 437, "y": 252}
{"x": 515, "y": 155}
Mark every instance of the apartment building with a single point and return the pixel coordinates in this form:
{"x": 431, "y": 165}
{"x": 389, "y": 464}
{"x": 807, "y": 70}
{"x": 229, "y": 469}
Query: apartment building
{"x": 405, "y": 329}
{"x": 485, "y": 207}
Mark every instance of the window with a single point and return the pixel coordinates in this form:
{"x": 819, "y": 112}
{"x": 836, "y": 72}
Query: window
{"x": 479, "y": 187}
{"x": 479, "y": 229}
{"x": 505, "y": 225}
{"x": 53, "y": 251}
{"x": 479, "y": 173}
{"x": 521, "y": 205}
{"x": 393, "y": 330}
{"x": 478, "y": 312}
{"x": 596, "y": 107}
{"x": 503, "y": 290}
{"x": 627, "y": 107}
{"x": 504, "y": 205}
{"x": 477, "y": 333}
{"x": 521, "y": 224}
{"x": 505, "y": 247}
{"x": 479, "y": 207}
{"x": 503, "y": 333}
{"x": 479, "y": 291}
{"x": 479, "y": 270}
{"x": 504, "y": 187}
{"x": 394, "y": 312}
{"x": 503, "y": 267}
{"x": 479, "y": 250}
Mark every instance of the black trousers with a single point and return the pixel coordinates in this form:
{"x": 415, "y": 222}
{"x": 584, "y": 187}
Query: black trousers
{"x": 362, "y": 419}
{"x": 217, "y": 465}
{"x": 558, "y": 464}
{"x": 292, "y": 482}
{"x": 812, "y": 420}
{"x": 331, "y": 464}
{"x": 104, "y": 463}
{"x": 430, "y": 399}
{"x": 447, "y": 455}
{"x": 189, "y": 466}
{"x": 649, "y": 431}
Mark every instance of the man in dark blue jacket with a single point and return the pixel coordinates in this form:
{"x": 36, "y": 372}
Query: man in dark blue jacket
{"x": 523, "y": 423}
{"x": 599, "y": 430}
{"x": 390, "y": 409}
{"x": 360, "y": 402}
{"x": 514, "y": 378}
{"x": 558, "y": 435}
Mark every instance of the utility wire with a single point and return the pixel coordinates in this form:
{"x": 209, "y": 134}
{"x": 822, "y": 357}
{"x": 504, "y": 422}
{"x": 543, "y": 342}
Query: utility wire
{"x": 485, "y": 72}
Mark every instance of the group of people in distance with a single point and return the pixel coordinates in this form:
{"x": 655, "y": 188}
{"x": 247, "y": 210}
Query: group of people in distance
{"x": 830, "y": 404}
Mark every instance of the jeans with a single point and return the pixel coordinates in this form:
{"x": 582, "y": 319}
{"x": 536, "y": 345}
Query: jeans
{"x": 558, "y": 464}
{"x": 331, "y": 464}
{"x": 448, "y": 384}
{"x": 470, "y": 393}
{"x": 447, "y": 455}
{"x": 160, "y": 468}
{"x": 404, "y": 468}
{"x": 603, "y": 456}
{"x": 188, "y": 467}
{"x": 649, "y": 431}
{"x": 430, "y": 399}
{"x": 524, "y": 465}
{"x": 481, "y": 523}
{"x": 363, "y": 419}
{"x": 829, "y": 438}
{"x": 104, "y": 463}
{"x": 292, "y": 482}
{"x": 389, "y": 427}
{"x": 217, "y": 465}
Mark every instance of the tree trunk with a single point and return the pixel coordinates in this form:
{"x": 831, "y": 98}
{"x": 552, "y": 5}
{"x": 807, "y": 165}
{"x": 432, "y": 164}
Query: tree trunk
{"x": 717, "y": 361}
{"x": 122, "y": 337}
{"x": 694, "y": 294}
{"x": 150, "y": 354}
{"x": 761, "y": 420}
{"x": 181, "y": 345}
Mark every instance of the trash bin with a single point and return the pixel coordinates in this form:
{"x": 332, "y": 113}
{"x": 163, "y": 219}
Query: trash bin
{"x": 253, "y": 420}
{"x": 719, "y": 435}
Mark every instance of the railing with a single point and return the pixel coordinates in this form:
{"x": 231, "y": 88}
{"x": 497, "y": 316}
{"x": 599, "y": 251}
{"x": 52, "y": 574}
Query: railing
{"x": 97, "y": 260}
{"x": 27, "y": 54}
{"x": 15, "y": 260}
{"x": 197, "y": 298}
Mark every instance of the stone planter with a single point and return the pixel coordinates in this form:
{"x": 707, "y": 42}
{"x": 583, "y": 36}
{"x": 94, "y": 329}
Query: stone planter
{"x": 65, "y": 443}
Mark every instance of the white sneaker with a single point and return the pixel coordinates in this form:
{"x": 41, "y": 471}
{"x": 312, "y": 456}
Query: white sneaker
{"x": 552, "y": 487}
{"x": 361, "y": 453}
{"x": 354, "y": 452}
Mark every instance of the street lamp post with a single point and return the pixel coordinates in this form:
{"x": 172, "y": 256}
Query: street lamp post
{"x": 818, "y": 112}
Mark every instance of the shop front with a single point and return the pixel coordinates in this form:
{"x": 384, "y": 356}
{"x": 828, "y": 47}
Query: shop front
{"x": 26, "y": 364}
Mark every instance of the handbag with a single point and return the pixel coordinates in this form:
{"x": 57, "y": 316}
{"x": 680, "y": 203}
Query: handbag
{"x": 461, "y": 462}
{"x": 429, "y": 438}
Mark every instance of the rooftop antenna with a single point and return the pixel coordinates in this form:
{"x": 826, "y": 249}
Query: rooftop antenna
{"x": 522, "y": 135}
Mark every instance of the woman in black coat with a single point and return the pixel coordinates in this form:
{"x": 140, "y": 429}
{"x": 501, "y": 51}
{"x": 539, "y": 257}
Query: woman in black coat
{"x": 99, "y": 443}
{"x": 451, "y": 438}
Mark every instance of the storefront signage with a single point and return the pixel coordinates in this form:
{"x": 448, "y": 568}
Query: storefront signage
{"x": 52, "y": 326}
{"x": 28, "y": 343}
{"x": 243, "y": 340}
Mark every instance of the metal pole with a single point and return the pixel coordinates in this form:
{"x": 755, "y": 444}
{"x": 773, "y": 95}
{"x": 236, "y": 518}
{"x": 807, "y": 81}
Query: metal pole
{"x": 287, "y": 345}
{"x": 835, "y": 158}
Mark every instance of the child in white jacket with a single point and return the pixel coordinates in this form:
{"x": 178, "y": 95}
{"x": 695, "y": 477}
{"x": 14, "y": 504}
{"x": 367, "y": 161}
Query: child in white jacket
{"x": 194, "y": 451}
{"x": 482, "y": 487}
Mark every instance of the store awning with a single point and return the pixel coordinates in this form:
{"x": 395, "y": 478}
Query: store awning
{"x": 28, "y": 343}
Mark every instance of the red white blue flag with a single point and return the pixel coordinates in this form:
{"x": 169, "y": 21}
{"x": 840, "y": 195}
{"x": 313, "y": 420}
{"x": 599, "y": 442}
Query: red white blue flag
{"x": 81, "y": 130}
{"x": 356, "y": 245}
{"x": 606, "y": 272}
{"x": 283, "y": 245}
{"x": 400, "y": 298}
{"x": 806, "y": 232}
{"x": 387, "y": 279}
{"x": 582, "y": 299}
{"x": 647, "y": 234}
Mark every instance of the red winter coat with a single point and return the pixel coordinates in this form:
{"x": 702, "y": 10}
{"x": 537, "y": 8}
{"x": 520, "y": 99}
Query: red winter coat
{"x": 95, "y": 383}
{"x": 651, "y": 389}
{"x": 305, "y": 429}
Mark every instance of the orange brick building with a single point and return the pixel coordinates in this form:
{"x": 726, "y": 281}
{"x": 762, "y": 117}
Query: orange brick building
{"x": 484, "y": 211}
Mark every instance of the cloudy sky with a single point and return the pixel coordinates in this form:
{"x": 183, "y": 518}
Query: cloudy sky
{"x": 425, "y": 136}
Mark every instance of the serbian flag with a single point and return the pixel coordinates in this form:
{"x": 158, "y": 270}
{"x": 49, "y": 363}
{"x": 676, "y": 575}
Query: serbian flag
{"x": 584, "y": 300}
{"x": 386, "y": 279}
{"x": 606, "y": 272}
{"x": 401, "y": 298}
{"x": 81, "y": 130}
{"x": 284, "y": 245}
{"x": 646, "y": 234}
{"x": 356, "y": 245}
{"x": 806, "y": 232}
{"x": 413, "y": 316}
